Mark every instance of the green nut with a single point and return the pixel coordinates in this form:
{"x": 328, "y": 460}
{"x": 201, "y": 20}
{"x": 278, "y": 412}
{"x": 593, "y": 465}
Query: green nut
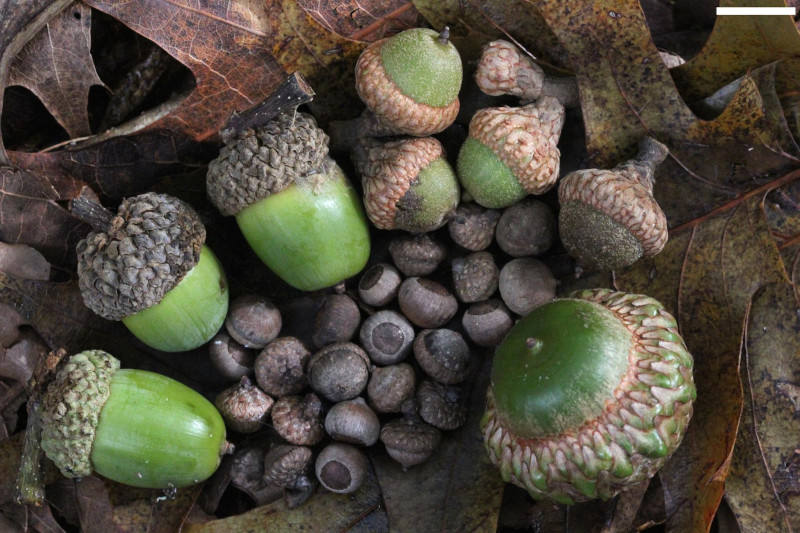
{"x": 131, "y": 426}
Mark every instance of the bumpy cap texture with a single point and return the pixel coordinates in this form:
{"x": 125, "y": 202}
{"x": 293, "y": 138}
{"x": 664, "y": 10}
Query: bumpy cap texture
{"x": 153, "y": 241}
{"x": 261, "y": 162}
{"x": 395, "y": 110}
{"x": 525, "y": 139}
{"x": 502, "y": 69}
{"x": 642, "y": 424}
{"x": 620, "y": 194}
{"x": 71, "y": 409}
{"x": 389, "y": 172}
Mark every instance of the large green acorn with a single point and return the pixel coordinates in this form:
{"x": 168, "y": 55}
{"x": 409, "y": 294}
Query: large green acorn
{"x": 151, "y": 269}
{"x": 132, "y": 426}
{"x": 589, "y": 395}
{"x": 511, "y": 152}
{"x": 410, "y": 81}
{"x": 294, "y": 205}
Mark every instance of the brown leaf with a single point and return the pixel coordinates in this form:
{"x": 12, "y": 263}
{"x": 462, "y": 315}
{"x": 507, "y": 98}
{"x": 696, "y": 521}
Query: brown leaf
{"x": 706, "y": 276}
{"x": 21, "y": 20}
{"x": 324, "y": 511}
{"x": 150, "y": 510}
{"x": 763, "y": 488}
{"x": 30, "y": 214}
{"x": 363, "y": 21}
{"x": 57, "y": 66}
{"x": 118, "y": 167}
{"x": 737, "y": 45}
{"x": 23, "y": 262}
{"x": 457, "y": 488}
{"x": 94, "y": 506}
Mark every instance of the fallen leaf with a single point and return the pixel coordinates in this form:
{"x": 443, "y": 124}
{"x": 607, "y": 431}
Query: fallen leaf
{"x": 457, "y": 488}
{"x": 324, "y": 511}
{"x": 30, "y": 214}
{"x": 24, "y": 262}
{"x": 150, "y": 510}
{"x": 706, "y": 276}
{"x": 94, "y": 506}
{"x": 10, "y": 455}
{"x": 363, "y": 21}
{"x": 763, "y": 488}
{"x": 737, "y": 45}
{"x": 57, "y": 66}
{"x": 21, "y": 21}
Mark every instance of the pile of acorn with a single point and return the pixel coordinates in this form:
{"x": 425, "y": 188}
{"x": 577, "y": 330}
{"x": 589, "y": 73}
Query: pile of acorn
{"x": 396, "y": 375}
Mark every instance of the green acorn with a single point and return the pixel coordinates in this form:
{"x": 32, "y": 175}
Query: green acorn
{"x": 589, "y": 395}
{"x": 511, "y": 152}
{"x": 408, "y": 184}
{"x": 410, "y": 81}
{"x": 293, "y": 203}
{"x": 150, "y": 268}
{"x": 131, "y": 426}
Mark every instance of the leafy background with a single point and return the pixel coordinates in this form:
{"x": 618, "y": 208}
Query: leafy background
{"x": 124, "y": 97}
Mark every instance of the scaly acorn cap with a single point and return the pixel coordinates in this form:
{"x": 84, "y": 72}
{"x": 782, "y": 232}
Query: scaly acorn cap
{"x": 394, "y": 109}
{"x": 525, "y": 139}
{"x": 502, "y": 69}
{"x": 152, "y": 242}
{"x": 390, "y": 172}
{"x": 264, "y": 161}
{"x": 609, "y": 218}
{"x": 610, "y": 429}
{"x": 71, "y": 408}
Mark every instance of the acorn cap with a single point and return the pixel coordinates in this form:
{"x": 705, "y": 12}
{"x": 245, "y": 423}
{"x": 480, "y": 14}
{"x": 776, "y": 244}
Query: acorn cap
{"x": 473, "y": 226}
{"x": 618, "y": 204}
{"x": 502, "y": 69}
{"x": 153, "y": 241}
{"x": 410, "y": 441}
{"x": 392, "y": 108}
{"x": 390, "y": 172}
{"x": 525, "y": 139}
{"x": 71, "y": 409}
{"x": 597, "y": 408}
{"x": 288, "y": 466}
{"x": 264, "y": 161}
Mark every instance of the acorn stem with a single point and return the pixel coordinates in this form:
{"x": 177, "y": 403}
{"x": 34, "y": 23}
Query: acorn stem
{"x": 30, "y": 482}
{"x": 651, "y": 154}
{"x": 86, "y": 207}
{"x": 444, "y": 36}
{"x": 563, "y": 88}
{"x": 291, "y": 94}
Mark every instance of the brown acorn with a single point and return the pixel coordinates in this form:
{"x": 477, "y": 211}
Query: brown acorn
{"x": 609, "y": 219}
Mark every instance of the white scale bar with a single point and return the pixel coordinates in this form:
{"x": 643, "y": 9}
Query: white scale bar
{"x": 757, "y": 11}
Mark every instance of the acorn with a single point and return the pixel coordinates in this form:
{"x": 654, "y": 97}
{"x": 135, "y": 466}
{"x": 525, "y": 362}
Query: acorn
{"x": 417, "y": 255}
{"x": 408, "y": 184}
{"x": 526, "y": 283}
{"x": 410, "y": 441}
{"x": 473, "y": 226}
{"x": 503, "y": 69}
{"x": 244, "y": 406}
{"x": 149, "y": 268}
{"x": 410, "y": 81}
{"x": 475, "y": 277}
{"x": 341, "y": 468}
{"x": 609, "y": 219}
{"x": 511, "y": 152}
{"x": 253, "y": 321}
{"x": 293, "y": 204}
{"x": 527, "y": 227}
{"x": 486, "y": 323}
{"x": 386, "y": 336}
{"x": 379, "y": 284}
{"x": 589, "y": 395}
{"x": 131, "y": 426}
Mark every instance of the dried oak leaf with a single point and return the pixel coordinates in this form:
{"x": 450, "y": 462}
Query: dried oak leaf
{"x": 57, "y": 66}
{"x": 363, "y": 21}
{"x": 763, "y": 487}
{"x": 706, "y": 276}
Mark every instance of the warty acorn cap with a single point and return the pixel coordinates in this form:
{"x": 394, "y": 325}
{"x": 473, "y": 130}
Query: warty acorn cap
{"x": 264, "y": 161}
{"x": 152, "y": 242}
